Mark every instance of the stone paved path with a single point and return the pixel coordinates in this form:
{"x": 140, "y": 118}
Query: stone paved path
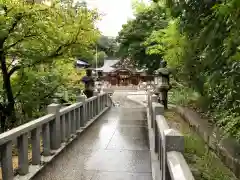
{"x": 113, "y": 148}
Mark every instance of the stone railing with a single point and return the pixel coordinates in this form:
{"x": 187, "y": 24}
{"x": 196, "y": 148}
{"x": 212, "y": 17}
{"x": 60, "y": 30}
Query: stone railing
{"x": 54, "y": 131}
{"x": 168, "y": 145}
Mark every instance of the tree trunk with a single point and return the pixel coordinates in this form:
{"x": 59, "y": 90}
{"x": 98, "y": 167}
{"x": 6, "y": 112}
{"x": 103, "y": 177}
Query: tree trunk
{"x": 9, "y": 111}
{"x": 3, "y": 122}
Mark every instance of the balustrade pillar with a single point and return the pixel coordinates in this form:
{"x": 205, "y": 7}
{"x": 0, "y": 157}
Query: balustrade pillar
{"x": 96, "y": 111}
{"x": 22, "y": 143}
{"x": 149, "y": 99}
{"x": 55, "y": 136}
{"x": 35, "y": 140}
{"x": 153, "y": 100}
{"x": 67, "y": 125}
{"x": 101, "y": 103}
{"x": 91, "y": 109}
{"x": 158, "y": 109}
{"x": 63, "y": 128}
{"x": 46, "y": 140}
{"x": 87, "y": 110}
{"x": 73, "y": 121}
{"x": 77, "y": 118}
{"x": 82, "y": 110}
{"x": 172, "y": 141}
{"x": 105, "y": 100}
{"x": 6, "y": 161}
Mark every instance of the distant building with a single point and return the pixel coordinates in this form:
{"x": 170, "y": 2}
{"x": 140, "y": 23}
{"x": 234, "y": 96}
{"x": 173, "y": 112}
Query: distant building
{"x": 81, "y": 64}
{"x": 121, "y": 72}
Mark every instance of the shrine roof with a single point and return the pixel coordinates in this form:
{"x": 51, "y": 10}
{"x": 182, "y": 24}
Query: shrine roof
{"x": 107, "y": 67}
{"x": 114, "y": 65}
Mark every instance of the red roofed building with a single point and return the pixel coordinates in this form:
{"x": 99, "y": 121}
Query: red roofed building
{"x": 123, "y": 73}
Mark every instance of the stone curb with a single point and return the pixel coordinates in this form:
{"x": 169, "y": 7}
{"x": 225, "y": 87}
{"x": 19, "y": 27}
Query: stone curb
{"x": 211, "y": 139}
{"x": 35, "y": 170}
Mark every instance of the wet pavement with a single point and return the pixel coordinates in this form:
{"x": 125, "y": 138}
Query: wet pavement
{"x": 115, "y": 147}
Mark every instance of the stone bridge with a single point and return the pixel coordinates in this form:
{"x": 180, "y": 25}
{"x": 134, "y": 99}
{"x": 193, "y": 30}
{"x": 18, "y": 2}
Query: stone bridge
{"x": 93, "y": 140}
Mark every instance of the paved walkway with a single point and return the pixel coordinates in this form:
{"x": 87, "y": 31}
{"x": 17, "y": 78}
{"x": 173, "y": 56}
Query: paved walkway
{"x": 113, "y": 148}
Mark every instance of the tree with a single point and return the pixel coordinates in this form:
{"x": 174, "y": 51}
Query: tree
{"x": 108, "y": 45}
{"x": 136, "y": 31}
{"x": 208, "y": 55}
{"x": 32, "y": 35}
{"x": 139, "y": 6}
{"x": 170, "y": 44}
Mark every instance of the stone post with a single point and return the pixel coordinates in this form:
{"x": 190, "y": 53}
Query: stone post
{"x": 6, "y": 161}
{"x": 22, "y": 142}
{"x": 77, "y": 118}
{"x": 172, "y": 141}
{"x": 67, "y": 125}
{"x": 150, "y": 105}
{"x": 153, "y": 100}
{"x": 46, "y": 140}
{"x": 104, "y": 101}
{"x": 95, "y": 93}
{"x": 96, "y": 104}
{"x": 149, "y": 99}
{"x": 158, "y": 109}
{"x": 99, "y": 104}
{"x": 55, "y": 136}
{"x": 63, "y": 128}
{"x": 82, "y": 99}
{"x": 35, "y": 140}
{"x": 73, "y": 121}
{"x": 108, "y": 100}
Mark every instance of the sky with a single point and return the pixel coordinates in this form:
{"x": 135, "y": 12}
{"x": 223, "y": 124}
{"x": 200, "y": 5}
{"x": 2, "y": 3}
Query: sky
{"x": 116, "y": 13}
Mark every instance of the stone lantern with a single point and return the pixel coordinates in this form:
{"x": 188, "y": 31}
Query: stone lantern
{"x": 89, "y": 83}
{"x": 163, "y": 84}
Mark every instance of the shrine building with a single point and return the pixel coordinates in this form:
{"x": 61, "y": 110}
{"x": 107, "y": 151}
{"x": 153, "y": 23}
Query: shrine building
{"x": 122, "y": 73}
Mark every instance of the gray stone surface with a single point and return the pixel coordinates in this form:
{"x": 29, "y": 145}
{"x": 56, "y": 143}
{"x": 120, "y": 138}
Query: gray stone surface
{"x": 122, "y": 176}
{"x": 114, "y": 148}
{"x": 55, "y": 136}
{"x": 173, "y": 140}
{"x": 176, "y": 160}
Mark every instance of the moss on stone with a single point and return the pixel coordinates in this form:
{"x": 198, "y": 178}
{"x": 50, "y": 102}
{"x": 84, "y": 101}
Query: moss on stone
{"x": 204, "y": 164}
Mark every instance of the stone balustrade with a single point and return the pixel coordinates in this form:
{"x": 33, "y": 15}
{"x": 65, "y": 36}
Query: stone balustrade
{"x": 51, "y": 130}
{"x": 168, "y": 145}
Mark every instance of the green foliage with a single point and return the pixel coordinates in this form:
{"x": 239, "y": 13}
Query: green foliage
{"x": 108, "y": 45}
{"x": 200, "y": 41}
{"x": 101, "y": 56}
{"x": 38, "y": 44}
{"x": 133, "y": 35}
{"x": 139, "y": 6}
{"x": 169, "y": 43}
{"x": 201, "y": 44}
{"x": 204, "y": 164}
{"x": 183, "y": 96}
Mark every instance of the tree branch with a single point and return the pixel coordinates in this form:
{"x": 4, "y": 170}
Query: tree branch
{"x": 18, "y": 18}
{"x": 21, "y": 88}
{"x": 15, "y": 68}
{"x": 20, "y": 40}
{"x": 58, "y": 52}
{"x": 52, "y": 91}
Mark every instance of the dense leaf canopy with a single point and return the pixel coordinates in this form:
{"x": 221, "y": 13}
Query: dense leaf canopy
{"x": 201, "y": 43}
{"x": 38, "y": 44}
{"x": 135, "y": 32}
